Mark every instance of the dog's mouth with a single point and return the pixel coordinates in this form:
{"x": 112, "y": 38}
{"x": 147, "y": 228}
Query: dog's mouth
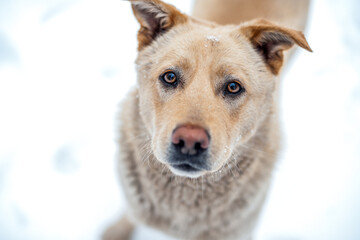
{"x": 186, "y": 170}
{"x": 186, "y": 167}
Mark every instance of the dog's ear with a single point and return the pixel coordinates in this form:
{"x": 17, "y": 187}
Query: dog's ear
{"x": 271, "y": 40}
{"x": 155, "y": 18}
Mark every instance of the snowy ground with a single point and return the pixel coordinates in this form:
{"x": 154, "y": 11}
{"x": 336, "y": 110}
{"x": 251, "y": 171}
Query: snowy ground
{"x": 64, "y": 67}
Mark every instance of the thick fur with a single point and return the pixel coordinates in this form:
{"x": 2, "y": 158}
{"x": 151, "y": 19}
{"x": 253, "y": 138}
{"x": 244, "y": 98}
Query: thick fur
{"x": 224, "y": 202}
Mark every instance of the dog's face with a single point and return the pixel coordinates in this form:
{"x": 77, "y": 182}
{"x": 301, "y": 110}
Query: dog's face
{"x": 204, "y": 88}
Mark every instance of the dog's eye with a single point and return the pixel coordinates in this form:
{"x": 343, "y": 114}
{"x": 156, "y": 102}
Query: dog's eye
{"x": 169, "y": 77}
{"x": 234, "y": 88}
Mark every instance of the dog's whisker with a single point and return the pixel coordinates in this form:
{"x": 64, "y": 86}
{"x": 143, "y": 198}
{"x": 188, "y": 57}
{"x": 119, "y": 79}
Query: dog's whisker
{"x": 257, "y": 150}
{"x": 235, "y": 164}
{"x": 202, "y": 187}
{"x": 146, "y": 158}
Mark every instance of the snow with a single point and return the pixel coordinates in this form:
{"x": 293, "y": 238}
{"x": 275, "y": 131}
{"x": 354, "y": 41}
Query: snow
{"x": 213, "y": 39}
{"x": 65, "y": 66}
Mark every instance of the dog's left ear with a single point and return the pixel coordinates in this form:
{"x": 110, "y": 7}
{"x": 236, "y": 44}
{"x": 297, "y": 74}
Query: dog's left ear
{"x": 155, "y": 18}
{"x": 271, "y": 40}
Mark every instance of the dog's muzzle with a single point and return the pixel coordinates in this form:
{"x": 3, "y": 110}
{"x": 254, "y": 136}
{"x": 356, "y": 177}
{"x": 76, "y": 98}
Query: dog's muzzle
{"x": 188, "y": 151}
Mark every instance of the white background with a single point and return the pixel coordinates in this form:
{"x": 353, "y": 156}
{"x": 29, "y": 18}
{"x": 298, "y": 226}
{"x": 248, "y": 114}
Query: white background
{"x": 64, "y": 67}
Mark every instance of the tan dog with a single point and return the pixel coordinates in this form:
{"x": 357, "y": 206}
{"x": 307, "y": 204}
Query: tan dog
{"x": 199, "y": 135}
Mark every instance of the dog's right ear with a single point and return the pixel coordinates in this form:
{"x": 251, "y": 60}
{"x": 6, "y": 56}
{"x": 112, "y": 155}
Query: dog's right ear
{"x": 155, "y": 18}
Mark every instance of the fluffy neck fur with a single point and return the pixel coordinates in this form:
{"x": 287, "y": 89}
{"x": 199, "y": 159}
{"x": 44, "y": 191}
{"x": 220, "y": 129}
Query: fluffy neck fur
{"x": 240, "y": 185}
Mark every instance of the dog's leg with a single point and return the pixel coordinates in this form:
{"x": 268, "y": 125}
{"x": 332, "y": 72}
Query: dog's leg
{"x": 121, "y": 230}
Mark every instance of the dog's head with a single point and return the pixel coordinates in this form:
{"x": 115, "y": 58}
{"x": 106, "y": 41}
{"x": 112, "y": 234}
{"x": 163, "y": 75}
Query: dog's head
{"x": 205, "y": 88}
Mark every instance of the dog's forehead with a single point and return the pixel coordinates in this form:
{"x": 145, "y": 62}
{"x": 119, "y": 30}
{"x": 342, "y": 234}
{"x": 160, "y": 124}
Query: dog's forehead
{"x": 206, "y": 38}
{"x": 203, "y": 48}
{"x": 199, "y": 44}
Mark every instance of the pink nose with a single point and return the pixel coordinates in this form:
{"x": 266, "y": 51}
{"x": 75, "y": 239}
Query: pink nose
{"x": 191, "y": 139}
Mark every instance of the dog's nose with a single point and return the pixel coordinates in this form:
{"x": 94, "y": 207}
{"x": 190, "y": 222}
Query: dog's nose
{"x": 190, "y": 140}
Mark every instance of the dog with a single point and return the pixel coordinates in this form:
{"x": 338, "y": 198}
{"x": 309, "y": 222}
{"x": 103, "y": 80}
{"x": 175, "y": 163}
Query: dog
{"x": 199, "y": 136}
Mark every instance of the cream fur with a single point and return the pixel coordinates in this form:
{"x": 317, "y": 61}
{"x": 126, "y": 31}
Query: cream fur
{"x": 225, "y": 202}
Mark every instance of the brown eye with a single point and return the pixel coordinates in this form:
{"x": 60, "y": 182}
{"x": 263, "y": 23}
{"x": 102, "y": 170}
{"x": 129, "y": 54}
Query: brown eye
{"x": 234, "y": 88}
{"x": 169, "y": 77}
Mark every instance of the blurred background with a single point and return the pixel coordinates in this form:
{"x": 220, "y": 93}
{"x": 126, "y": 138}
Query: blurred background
{"x": 66, "y": 64}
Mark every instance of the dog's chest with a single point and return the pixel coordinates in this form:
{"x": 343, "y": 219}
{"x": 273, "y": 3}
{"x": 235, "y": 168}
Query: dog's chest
{"x": 200, "y": 208}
